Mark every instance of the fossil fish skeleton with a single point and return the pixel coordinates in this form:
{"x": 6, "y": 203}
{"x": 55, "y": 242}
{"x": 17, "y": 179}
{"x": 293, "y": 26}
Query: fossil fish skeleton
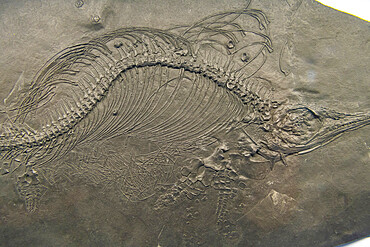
{"x": 172, "y": 86}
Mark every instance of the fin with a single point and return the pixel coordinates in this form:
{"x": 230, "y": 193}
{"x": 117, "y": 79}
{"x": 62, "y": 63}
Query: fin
{"x": 30, "y": 189}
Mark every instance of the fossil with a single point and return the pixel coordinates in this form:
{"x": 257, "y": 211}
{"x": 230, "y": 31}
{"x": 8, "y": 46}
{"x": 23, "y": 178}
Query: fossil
{"x": 181, "y": 89}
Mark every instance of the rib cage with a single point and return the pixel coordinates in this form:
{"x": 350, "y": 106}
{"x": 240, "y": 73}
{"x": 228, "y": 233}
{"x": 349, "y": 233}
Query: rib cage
{"x": 87, "y": 71}
{"x": 163, "y": 105}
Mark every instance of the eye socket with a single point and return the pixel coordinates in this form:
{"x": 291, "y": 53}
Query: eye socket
{"x": 302, "y": 116}
{"x": 299, "y": 125}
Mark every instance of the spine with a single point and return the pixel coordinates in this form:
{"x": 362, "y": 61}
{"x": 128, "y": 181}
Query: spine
{"x": 92, "y": 96}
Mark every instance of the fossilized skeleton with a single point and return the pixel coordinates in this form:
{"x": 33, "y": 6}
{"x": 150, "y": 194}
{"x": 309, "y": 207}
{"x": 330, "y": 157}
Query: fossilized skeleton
{"x": 184, "y": 88}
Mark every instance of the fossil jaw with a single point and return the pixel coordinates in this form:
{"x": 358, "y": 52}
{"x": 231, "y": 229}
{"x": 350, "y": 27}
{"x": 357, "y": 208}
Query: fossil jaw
{"x": 335, "y": 127}
{"x": 300, "y": 129}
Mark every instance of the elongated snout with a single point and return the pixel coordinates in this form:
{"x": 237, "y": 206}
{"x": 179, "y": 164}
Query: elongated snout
{"x": 301, "y": 130}
{"x": 334, "y": 128}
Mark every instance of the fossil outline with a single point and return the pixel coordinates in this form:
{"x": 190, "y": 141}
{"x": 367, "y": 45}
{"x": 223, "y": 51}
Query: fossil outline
{"x": 142, "y": 52}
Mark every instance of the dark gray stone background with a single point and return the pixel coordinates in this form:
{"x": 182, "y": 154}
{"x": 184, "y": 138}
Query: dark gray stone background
{"x": 327, "y": 191}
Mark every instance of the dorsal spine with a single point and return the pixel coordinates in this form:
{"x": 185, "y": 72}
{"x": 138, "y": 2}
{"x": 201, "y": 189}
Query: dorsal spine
{"x": 180, "y": 59}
